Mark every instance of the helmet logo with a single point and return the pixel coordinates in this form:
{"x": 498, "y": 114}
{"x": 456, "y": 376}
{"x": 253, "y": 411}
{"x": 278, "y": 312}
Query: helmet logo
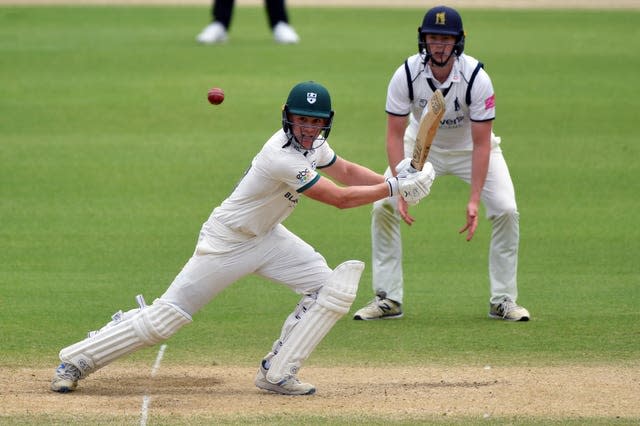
{"x": 441, "y": 18}
{"x": 312, "y": 97}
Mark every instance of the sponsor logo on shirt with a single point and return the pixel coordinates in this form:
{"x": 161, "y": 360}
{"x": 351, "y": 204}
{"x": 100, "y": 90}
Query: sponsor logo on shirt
{"x": 292, "y": 198}
{"x": 303, "y": 176}
{"x": 490, "y": 102}
{"x": 452, "y": 123}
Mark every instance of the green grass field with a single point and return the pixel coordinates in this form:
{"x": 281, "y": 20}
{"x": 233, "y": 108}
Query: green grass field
{"x": 111, "y": 159}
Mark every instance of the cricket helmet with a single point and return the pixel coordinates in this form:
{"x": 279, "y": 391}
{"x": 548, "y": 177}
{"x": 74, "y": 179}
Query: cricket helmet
{"x": 310, "y": 99}
{"x": 441, "y": 20}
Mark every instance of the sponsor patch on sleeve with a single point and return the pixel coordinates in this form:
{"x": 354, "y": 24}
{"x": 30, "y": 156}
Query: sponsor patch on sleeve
{"x": 303, "y": 176}
{"x": 490, "y": 102}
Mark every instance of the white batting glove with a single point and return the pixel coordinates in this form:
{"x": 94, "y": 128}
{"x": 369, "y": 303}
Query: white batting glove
{"x": 405, "y": 167}
{"x": 413, "y": 187}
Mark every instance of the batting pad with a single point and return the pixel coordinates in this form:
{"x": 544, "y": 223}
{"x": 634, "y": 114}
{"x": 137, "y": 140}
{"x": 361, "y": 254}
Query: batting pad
{"x": 334, "y": 300}
{"x": 150, "y": 325}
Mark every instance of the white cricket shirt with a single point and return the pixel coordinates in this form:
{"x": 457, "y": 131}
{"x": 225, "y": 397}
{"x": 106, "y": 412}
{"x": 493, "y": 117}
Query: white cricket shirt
{"x": 454, "y": 133}
{"x": 271, "y": 187}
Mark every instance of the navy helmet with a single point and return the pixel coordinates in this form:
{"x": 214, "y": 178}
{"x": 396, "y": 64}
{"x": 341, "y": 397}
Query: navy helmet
{"x": 441, "y": 20}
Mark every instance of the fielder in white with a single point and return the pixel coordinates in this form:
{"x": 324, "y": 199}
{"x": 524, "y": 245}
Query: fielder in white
{"x": 464, "y": 146}
{"x": 245, "y": 235}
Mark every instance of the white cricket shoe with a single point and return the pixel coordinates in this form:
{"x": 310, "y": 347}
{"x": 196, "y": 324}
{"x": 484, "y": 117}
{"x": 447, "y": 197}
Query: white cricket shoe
{"x": 213, "y": 33}
{"x": 284, "y": 33}
{"x": 287, "y": 386}
{"x": 379, "y": 308}
{"x": 65, "y": 378}
{"x": 509, "y": 311}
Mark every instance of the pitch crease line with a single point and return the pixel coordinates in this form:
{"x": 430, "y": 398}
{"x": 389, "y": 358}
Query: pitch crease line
{"x": 146, "y": 399}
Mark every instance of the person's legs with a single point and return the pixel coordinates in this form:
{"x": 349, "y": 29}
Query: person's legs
{"x": 216, "y": 31}
{"x": 498, "y": 197}
{"x": 283, "y": 32}
{"x": 277, "y": 12}
{"x": 326, "y": 296}
{"x": 212, "y": 268}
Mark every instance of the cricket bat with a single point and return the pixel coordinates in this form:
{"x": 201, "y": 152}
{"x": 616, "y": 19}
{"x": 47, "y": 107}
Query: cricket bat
{"x": 428, "y": 126}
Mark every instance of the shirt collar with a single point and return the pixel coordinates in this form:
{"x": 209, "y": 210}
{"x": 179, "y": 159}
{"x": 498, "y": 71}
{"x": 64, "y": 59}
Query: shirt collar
{"x": 454, "y": 75}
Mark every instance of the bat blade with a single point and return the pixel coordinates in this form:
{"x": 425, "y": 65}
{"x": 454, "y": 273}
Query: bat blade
{"x": 428, "y": 127}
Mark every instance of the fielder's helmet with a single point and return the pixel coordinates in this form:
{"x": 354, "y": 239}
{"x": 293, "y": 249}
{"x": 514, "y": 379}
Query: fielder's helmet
{"x": 310, "y": 99}
{"x": 442, "y": 20}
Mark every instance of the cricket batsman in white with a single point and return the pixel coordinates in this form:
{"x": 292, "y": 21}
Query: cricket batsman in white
{"x": 244, "y": 235}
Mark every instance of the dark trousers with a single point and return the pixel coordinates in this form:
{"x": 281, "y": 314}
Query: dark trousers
{"x": 222, "y": 11}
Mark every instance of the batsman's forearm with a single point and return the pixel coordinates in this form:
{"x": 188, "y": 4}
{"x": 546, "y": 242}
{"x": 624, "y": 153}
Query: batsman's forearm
{"x": 356, "y": 196}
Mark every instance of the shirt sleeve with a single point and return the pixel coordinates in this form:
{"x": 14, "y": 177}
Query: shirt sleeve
{"x": 325, "y": 156}
{"x": 398, "y": 102}
{"x": 293, "y": 170}
{"x": 483, "y": 98}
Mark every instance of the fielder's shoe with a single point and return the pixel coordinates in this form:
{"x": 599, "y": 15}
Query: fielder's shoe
{"x": 288, "y": 386}
{"x": 213, "y": 33}
{"x": 66, "y": 378}
{"x": 379, "y": 308}
{"x": 284, "y": 33}
{"x": 509, "y": 311}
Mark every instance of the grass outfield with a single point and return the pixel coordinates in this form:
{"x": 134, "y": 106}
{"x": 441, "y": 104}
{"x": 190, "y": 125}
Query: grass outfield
{"x": 111, "y": 159}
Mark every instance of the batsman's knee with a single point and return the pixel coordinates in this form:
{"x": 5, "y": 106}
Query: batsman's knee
{"x": 341, "y": 288}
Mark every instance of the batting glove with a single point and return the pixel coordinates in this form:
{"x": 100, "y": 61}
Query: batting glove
{"x": 405, "y": 167}
{"x": 413, "y": 187}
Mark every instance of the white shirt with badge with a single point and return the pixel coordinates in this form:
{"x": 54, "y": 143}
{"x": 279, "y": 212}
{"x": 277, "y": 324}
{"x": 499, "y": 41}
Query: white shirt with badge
{"x": 454, "y": 133}
{"x": 271, "y": 187}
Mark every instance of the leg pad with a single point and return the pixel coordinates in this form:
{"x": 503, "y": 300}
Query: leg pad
{"x": 150, "y": 325}
{"x": 334, "y": 300}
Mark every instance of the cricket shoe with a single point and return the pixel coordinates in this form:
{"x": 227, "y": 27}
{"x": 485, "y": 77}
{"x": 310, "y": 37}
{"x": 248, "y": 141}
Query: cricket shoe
{"x": 290, "y": 385}
{"x": 65, "y": 378}
{"x": 379, "y": 308}
{"x": 213, "y": 33}
{"x": 509, "y": 311}
{"x": 284, "y": 33}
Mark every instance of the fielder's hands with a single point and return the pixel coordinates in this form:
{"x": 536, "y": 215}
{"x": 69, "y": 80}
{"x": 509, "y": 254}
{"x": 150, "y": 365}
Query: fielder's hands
{"x": 412, "y": 187}
{"x": 472, "y": 220}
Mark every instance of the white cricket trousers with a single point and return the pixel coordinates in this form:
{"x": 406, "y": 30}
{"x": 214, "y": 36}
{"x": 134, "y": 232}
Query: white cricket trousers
{"x": 498, "y": 197}
{"x": 223, "y": 256}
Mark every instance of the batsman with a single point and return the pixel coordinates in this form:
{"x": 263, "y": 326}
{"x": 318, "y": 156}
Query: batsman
{"x": 464, "y": 146}
{"x": 244, "y": 235}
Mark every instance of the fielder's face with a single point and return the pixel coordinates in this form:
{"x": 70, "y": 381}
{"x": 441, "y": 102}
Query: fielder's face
{"x": 307, "y": 129}
{"x": 440, "y": 46}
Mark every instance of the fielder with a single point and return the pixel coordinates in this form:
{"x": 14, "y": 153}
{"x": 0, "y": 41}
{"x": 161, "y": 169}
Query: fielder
{"x": 464, "y": 146}
{"x": 244, "y": 235}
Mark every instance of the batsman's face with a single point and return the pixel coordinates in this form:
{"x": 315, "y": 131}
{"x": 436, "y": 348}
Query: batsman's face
{"x": 440, "y": 46}
{"x": 307, "y": 129}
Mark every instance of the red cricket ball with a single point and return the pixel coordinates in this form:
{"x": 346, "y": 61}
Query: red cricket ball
{"x": 215, "y": 96}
